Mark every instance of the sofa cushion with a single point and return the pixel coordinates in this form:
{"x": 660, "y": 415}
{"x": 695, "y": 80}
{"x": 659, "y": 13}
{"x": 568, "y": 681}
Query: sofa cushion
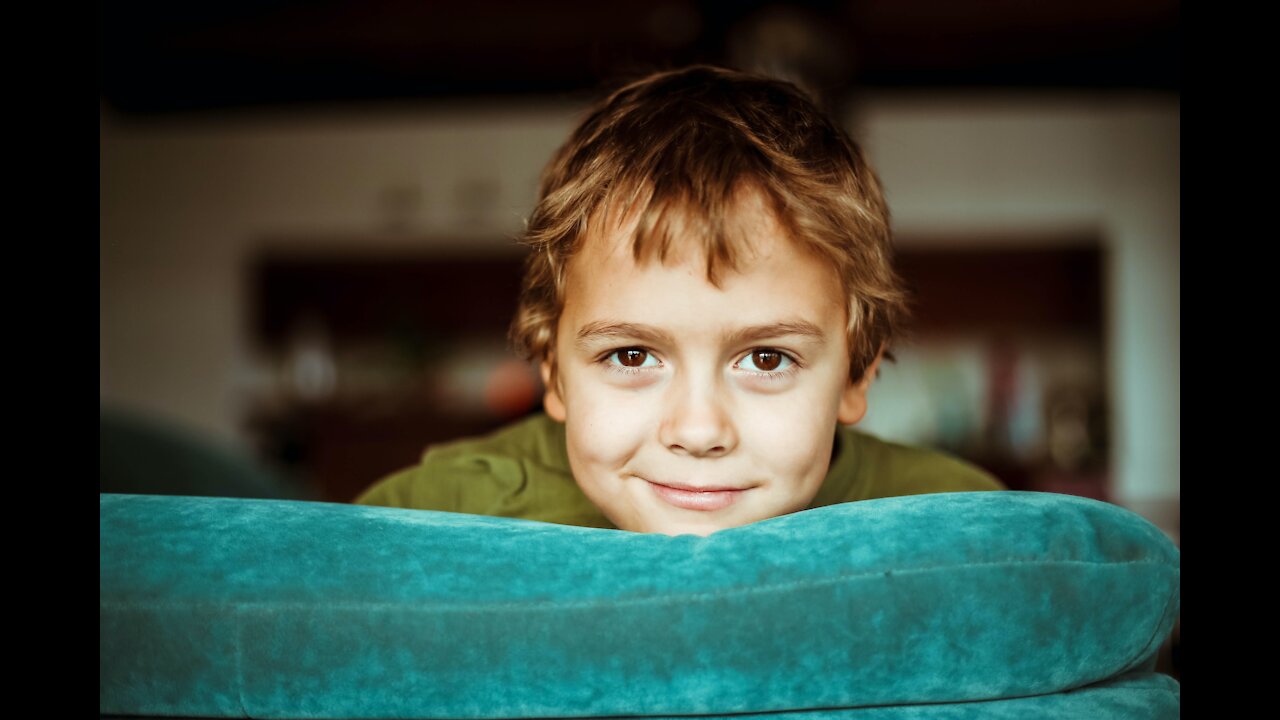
{"x": 268, "y": 608}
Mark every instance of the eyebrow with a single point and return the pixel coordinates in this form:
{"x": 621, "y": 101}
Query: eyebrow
{"x": 605, "y": 329}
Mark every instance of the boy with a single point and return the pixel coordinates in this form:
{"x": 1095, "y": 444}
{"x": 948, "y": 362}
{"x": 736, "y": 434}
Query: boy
{"x": 709, "y": 294}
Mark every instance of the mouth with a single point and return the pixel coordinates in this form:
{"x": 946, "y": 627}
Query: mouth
{"x": 694, "y": 498}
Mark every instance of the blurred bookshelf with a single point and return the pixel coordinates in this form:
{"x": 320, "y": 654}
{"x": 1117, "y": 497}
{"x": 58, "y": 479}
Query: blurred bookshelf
{"x": 1004, "y": 362}
{"x": 366, "y": 358}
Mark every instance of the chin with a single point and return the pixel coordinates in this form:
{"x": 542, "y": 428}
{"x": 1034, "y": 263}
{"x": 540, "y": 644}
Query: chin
{"x": 701, "y": 531}
{"x": 690, "y": 528}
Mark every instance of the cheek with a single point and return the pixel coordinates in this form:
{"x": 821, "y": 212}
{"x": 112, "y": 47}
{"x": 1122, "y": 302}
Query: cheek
{"x": 605, "y": 428}
{"x": 793, "y": 436}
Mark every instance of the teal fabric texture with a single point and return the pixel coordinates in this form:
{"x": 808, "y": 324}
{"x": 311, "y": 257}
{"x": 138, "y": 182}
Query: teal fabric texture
{"x": 954, "y": 605}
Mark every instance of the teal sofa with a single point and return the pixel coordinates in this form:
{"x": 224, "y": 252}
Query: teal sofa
{"x": 961, "y": 605}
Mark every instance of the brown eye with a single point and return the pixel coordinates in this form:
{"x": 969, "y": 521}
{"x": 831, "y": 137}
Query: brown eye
{"x": 767, "y": 360}
{"x": 767, "y": 363}
{"x": 632, "y": 357}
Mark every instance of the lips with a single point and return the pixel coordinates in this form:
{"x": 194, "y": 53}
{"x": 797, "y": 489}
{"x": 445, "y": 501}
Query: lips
{"x": 693, "y": 498}
{"x": 696, "y": 488}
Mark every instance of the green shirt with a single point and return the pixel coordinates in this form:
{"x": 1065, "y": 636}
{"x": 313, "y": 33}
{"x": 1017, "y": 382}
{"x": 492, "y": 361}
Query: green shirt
{"x": 522, "y": 471}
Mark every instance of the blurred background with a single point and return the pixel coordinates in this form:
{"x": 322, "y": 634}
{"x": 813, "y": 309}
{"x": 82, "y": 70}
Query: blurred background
{"x": 308, "y": 213}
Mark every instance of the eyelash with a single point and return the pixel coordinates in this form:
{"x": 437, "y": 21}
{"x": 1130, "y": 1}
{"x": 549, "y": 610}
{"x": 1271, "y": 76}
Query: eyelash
{"x": 771, "y": 375}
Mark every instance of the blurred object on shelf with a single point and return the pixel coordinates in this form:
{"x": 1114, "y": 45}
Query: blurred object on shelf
{"x": 486, "y": 378}
{"x": 1002, "y": 392}
{"x": 513, "y": 389}
{"x": 311, "y": 373}
{"x": 1075, "y": 436}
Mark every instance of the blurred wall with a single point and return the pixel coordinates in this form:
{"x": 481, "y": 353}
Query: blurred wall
{"x": 185, "y": 202}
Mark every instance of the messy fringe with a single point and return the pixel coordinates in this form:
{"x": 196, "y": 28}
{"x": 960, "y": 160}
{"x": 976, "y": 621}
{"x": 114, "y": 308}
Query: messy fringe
{"x": 681, "y": 150}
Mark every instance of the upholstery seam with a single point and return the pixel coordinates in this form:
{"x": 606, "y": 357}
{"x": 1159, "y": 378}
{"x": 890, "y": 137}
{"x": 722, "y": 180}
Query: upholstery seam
{"x": 421, "y": 604}
{"x": 1156, "y": 636}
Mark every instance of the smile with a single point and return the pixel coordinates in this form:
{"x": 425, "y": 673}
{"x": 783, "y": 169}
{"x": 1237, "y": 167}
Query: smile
{"x": 692, "y": 499}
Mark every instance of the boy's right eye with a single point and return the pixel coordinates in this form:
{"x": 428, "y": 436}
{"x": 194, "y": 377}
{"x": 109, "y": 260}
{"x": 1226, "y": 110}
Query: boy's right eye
{"x": 632, "y": 358}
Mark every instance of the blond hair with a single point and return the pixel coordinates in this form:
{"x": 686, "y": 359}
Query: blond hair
{"x": 678, "y": 148}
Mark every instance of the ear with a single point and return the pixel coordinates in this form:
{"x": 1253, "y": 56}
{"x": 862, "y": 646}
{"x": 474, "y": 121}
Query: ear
{"x": 551, "y": 400}
{"x": 853, "y": 399}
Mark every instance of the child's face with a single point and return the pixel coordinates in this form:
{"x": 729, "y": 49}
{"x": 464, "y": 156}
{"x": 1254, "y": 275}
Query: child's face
{"x": 668, "y": 381}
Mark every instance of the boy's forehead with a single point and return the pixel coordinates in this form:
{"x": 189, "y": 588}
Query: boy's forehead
{"x": 774, "y": 282}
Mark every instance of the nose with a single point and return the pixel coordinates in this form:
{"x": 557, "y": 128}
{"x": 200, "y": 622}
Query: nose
{"x": 698, "y": 421}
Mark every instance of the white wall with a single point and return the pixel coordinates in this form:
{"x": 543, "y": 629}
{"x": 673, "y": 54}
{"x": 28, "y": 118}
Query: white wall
{"x": 184, "y": 203}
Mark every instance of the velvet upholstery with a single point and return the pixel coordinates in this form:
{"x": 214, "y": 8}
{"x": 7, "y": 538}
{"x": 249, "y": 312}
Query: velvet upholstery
{"x": 1133, "y": 696}
{"x": 268, "y": 608}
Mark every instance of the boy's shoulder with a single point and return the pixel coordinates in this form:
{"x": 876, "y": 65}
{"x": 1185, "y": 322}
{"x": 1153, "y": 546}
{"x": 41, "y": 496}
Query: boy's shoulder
{"x": 520, "y": 470}
{"x": 536, "y": 440}
{"x": 865, "y": 467}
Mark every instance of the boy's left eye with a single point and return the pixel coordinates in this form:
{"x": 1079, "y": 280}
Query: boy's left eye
{"x": 765, "y": 360}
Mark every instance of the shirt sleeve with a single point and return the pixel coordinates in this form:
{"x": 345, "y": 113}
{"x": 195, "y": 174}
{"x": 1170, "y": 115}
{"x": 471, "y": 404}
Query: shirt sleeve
{"x": 918, "y": 472}
{"x": 411, "y": 488}
{"x": 887, "y": 469}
